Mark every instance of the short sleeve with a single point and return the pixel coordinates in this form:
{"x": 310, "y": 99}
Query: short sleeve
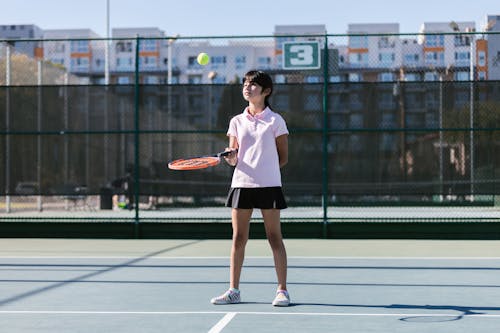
{"x": 231, "y": 131}
{"x": 280, "y": 126}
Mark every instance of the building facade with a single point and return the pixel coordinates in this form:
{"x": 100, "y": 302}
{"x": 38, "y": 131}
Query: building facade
{"x": 367, "y": 53}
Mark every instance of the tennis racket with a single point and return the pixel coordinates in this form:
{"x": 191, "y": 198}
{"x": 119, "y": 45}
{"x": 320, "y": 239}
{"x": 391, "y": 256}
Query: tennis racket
{"x": 195, "y": 163}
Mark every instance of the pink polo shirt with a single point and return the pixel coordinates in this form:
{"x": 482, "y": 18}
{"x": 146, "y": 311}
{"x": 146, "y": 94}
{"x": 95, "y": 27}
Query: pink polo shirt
{"x": 258, "y": 161}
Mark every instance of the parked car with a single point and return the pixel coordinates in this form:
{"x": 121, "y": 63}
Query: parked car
{"x": 27, "y": 188}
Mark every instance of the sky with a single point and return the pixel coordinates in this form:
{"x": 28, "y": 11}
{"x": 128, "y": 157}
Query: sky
{"x": 191, "y": 18}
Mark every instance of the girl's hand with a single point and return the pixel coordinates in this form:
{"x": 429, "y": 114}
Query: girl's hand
{"x": 232, "y": 158}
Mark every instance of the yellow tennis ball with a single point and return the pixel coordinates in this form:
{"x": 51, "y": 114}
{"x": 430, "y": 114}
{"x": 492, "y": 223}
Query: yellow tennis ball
{"x": 203, "y": 58}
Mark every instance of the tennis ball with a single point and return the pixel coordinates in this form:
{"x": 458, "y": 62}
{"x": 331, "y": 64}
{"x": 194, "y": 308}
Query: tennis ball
{"x": 203, "y": 58}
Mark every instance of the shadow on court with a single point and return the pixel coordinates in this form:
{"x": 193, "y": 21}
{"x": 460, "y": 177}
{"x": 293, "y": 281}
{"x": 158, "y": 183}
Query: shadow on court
{"x": 62, "y": 283}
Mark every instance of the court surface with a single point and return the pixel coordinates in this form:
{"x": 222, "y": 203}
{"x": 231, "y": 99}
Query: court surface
{"x": 77, "y": 285}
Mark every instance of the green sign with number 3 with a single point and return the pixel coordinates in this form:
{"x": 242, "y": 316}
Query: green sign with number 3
{"x": 301, "y": 55}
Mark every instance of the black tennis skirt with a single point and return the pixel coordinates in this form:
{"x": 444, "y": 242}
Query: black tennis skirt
{"x": 259, "y": 197}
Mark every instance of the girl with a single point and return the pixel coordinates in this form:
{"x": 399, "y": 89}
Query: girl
{"x": 258, "y": 141}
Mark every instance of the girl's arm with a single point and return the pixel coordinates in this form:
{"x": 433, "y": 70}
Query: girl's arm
{"x": 232, "y": 159}
{"x": 282, "y": 146}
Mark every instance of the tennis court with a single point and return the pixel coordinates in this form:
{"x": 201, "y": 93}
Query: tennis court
{"x": 60, "y": 285}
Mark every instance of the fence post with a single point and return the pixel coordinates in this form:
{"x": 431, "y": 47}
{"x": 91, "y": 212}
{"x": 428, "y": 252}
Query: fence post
{"x": 39, "y": 135}
{"x": 325, "y": 138}
{"x": 136, "y": 138}
{"x": 7, "y": 127}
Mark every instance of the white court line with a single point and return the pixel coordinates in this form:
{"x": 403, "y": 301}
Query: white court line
{"x": 250, "y": 257}
{"x": 260, "y": 313}
{"x": 217, "y": 328}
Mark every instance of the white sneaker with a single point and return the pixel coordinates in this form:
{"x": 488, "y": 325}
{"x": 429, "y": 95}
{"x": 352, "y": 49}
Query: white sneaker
{"x": 282, "y": 298}
{"x": 229, "y": 297}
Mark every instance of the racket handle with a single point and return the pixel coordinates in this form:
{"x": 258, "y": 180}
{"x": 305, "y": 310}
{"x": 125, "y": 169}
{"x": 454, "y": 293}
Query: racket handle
{"x": 225, "y": 153}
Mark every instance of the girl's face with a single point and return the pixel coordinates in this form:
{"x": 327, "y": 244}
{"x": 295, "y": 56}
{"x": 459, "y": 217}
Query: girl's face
{"x": 252, "y": 92}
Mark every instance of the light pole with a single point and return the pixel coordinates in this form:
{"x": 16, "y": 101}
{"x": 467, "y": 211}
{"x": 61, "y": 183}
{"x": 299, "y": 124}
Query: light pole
{"x": 470, "y": 31}
{"x": 441, "y": 164}
{"x": 106, "y": 47}
{"x": 171, "y": 41}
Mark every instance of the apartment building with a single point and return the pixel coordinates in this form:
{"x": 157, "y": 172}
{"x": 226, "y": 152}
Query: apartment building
{"x": 373, "y": 52}
{"x": 369, "y": 52}
{"x": 152, "y": 55}
{"x": 492, "y": 54}
{"x": 23, "y": 31}
{"x": 77, "y": 50}
{"x": 448, "y": 53}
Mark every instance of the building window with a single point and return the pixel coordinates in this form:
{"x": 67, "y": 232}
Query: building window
{"x": 79, "y": 46}
{"x": 462, "y": 76}
{"x": 431, "y": 76}
{"x": 217, "y": 62}
{"x": 147, "y": 45}
{"x": 386, "y": 102}
{"x": 386, "y": 59}
{"x": 124, "y": 63}
{"x": 358, "y": 59}
{"x": 194, "y": 79}
{"x": 356, "y": 121}
{"x": 431, "y": 120}
{"x": 434, "y": 41}
{"x": 355, "y": 143}
{"x": 388, "y": 143}
{"x": 124, "y": 47}
{"x": 461, "y": 40}
{"x": 386, "y": 42}
{"x": 280, "y": 78}
{"x": 240, "y": 61}
{"x": 388, "y": 120}
{"x": 123, "y": 80}
{"x": 150, "y": 79}
{"x": 335, "y": 79}
{"x": 312, "y": 79}
{"x": 192, "y": 62}
{"x": 481, "y": 58}
{"x": 462, "y": 58}
{"x": 411, "y": 59}
{"x": 60, "y": 47}
{"x": 312, "y": 102}
{"x": 412, "y": 77}
{"x": 434, "y": 58}
{"x": 59, "y": 61}
{"x": 264, "y": 62}
{"x": 148, "y": 62}
{"x": 79, "y": 64}
{"x": 281, "y": 101}
{"x": 386, "y": 77}
{"x": 354, "y": 77}
{"x": 358, "y": 42}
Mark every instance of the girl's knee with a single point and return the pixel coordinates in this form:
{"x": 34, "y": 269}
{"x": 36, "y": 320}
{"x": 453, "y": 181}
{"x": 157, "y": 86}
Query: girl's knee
{"x": 275, "y": 240}
{"x": 239, "y": 239}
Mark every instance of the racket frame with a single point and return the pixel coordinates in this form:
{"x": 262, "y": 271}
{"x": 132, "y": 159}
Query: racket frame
{"x": 185, "y": 164}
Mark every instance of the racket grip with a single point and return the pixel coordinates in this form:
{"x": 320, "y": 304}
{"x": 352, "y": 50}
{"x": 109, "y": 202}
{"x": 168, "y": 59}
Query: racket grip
{"x": 225, "y": 153}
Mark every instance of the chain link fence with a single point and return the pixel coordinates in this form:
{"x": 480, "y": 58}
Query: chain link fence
{"x": 89, "y": 125}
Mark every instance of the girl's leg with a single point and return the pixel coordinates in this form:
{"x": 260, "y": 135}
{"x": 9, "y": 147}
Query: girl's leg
{"x": 241, "y": 227}
{"x": 273, "y": 232}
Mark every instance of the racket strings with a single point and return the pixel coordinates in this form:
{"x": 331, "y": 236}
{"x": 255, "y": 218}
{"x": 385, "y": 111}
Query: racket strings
{"x": 194, "y": 163}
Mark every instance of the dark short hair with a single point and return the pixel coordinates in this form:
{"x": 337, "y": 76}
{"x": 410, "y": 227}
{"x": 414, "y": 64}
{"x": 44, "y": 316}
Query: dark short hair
{"x": 262, "y": 79}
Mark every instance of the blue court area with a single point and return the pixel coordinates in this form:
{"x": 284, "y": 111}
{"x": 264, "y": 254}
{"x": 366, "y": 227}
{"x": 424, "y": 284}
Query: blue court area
{"x": 165, "y": 286}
